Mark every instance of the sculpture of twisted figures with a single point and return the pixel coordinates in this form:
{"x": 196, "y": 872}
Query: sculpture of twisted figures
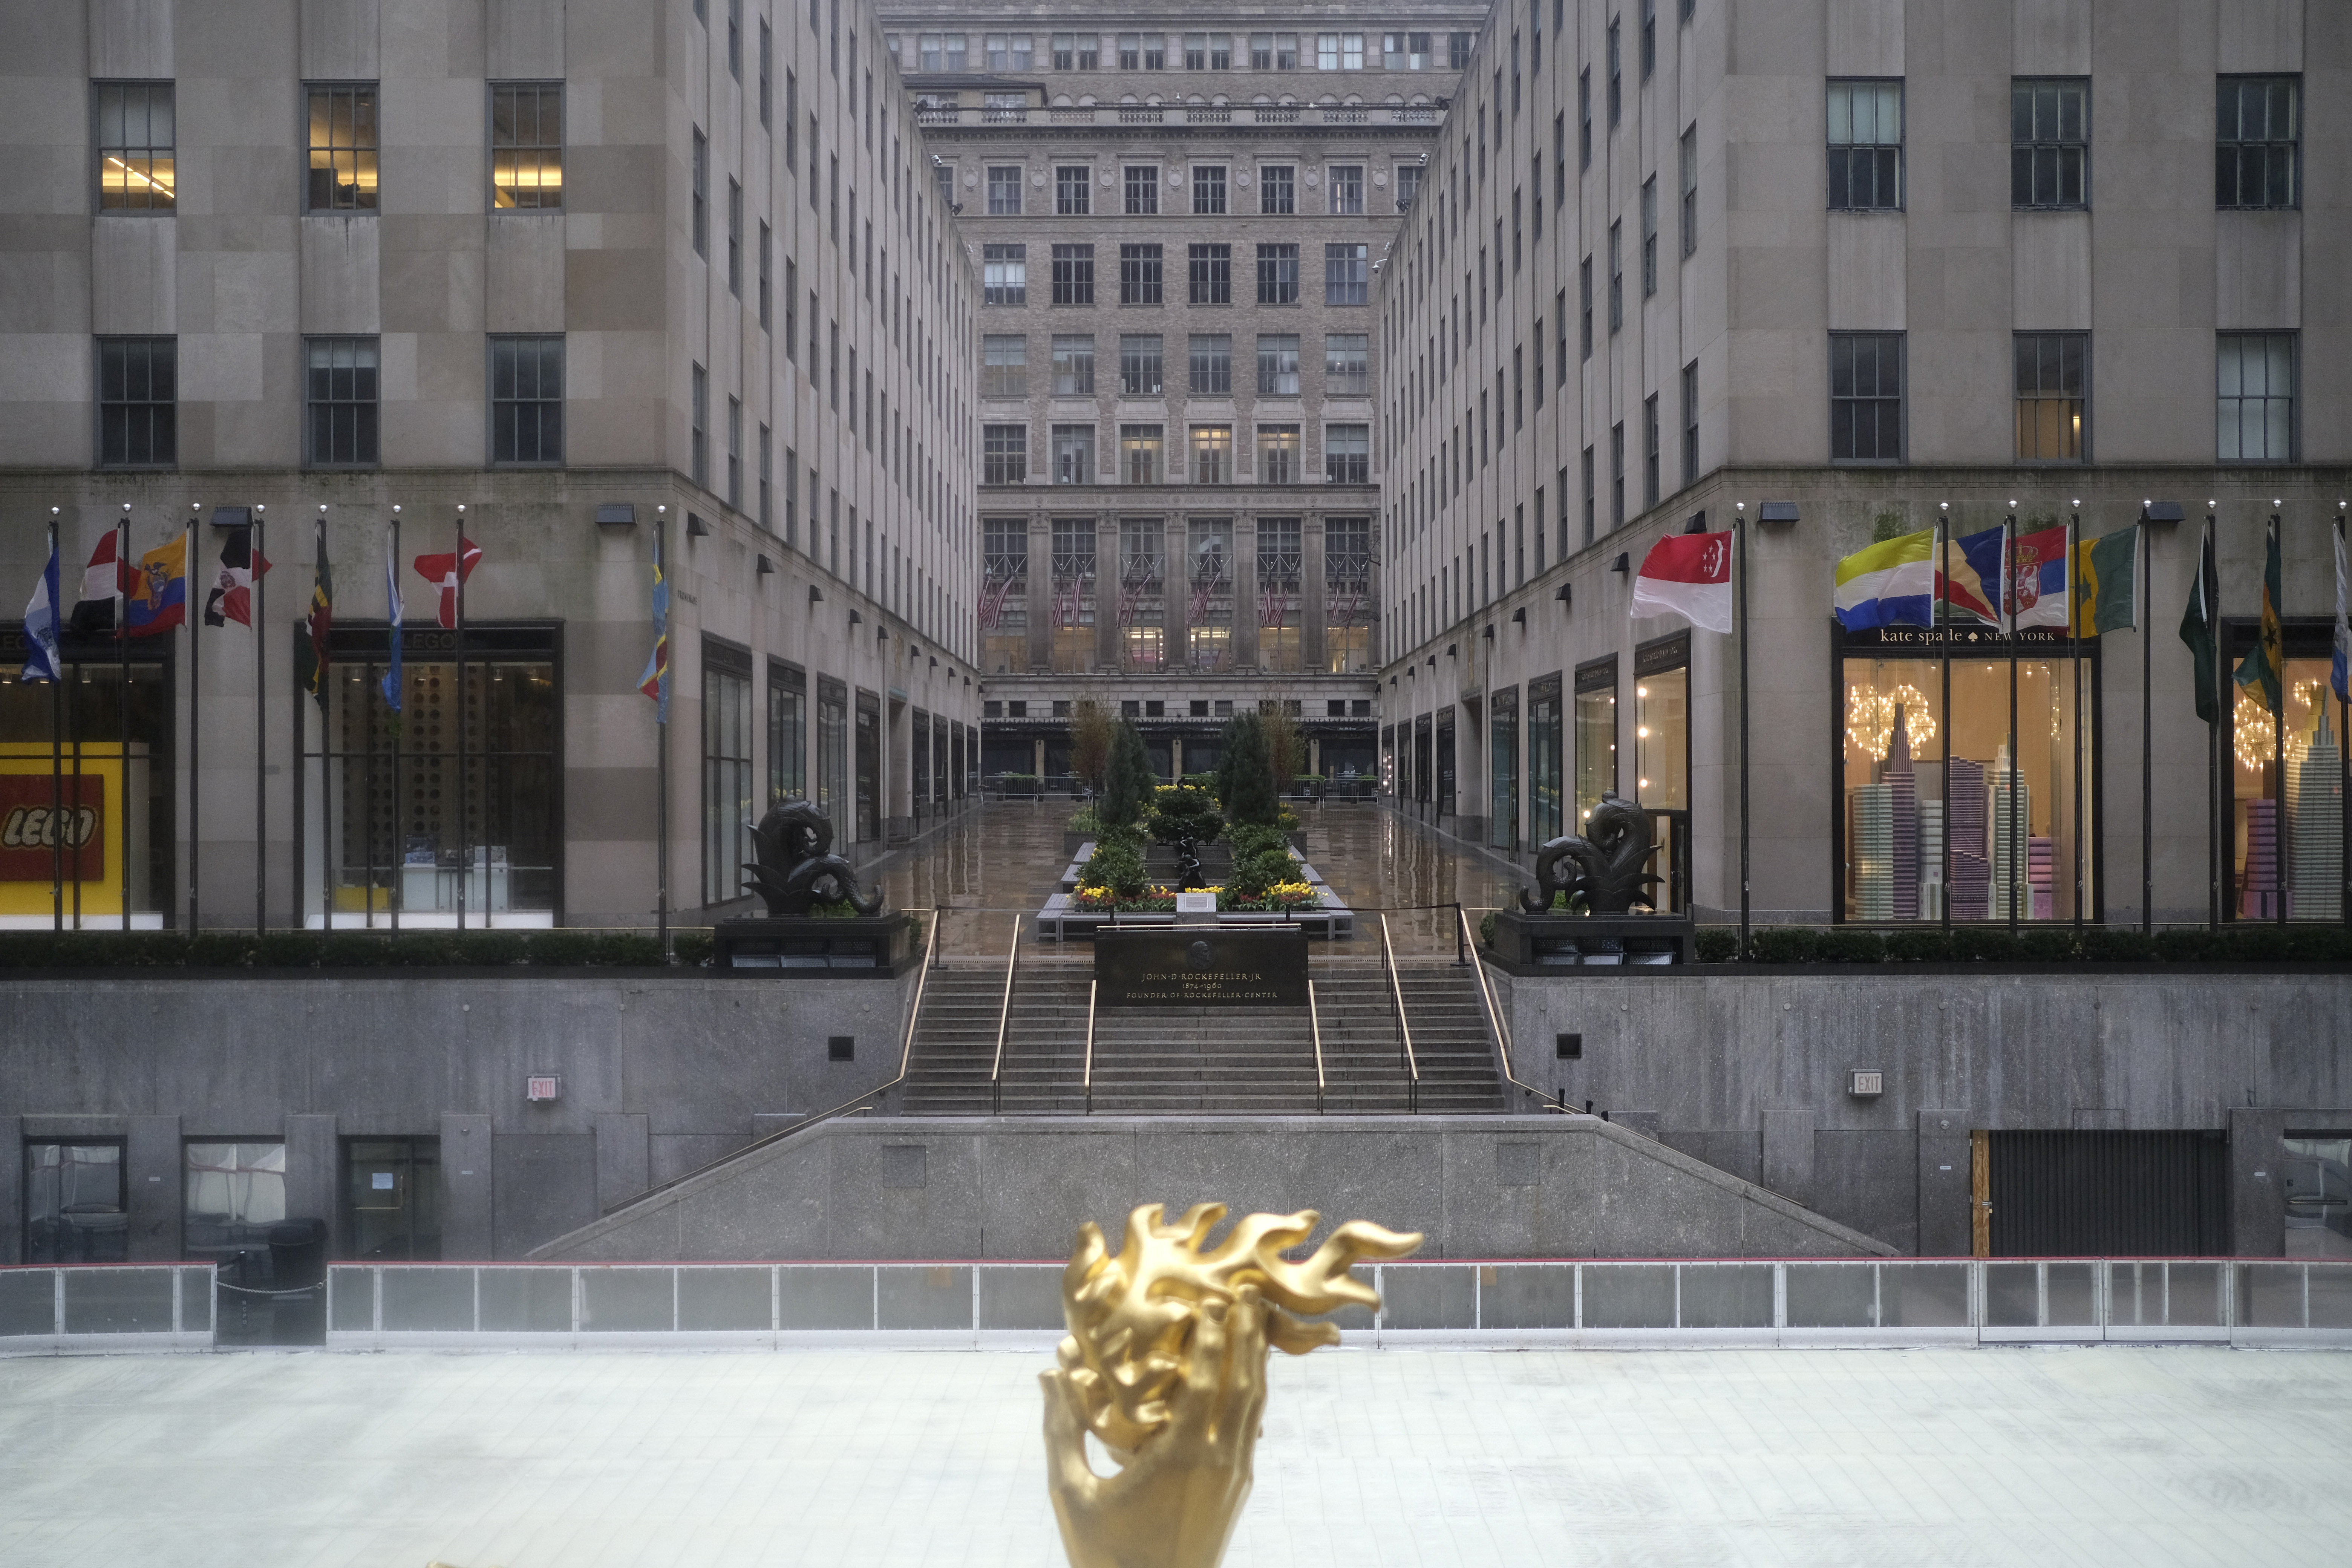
{"x": 1165, "y": 1363}
{"x": 1610, "y": 860}
{"x": 796, "y": 865}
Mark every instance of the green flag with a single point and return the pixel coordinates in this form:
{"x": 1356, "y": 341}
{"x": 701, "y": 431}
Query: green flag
{"x": 2107, "y": 590}
{"x": 2197, "y": 631}
{"x": 2264, "y": 665}
{"x": 310, "y": 654}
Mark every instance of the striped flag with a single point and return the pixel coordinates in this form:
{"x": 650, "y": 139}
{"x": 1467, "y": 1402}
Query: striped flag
{"x": 655, "y": 682}
{"x": 1890, "y": 584}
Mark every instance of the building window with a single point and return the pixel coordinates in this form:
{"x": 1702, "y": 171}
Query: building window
{"x": 1584, "y": 118}
{"x": 767, "y": 481}
{"x": 1617, "y": 476}
{"x": 74, "y": 1205}
{"x": 1649, "y": 236}
{"x": 2258, "y": 142}
{"x": 1690, "y": 191}
{"x": 728, "y": 806}
{"x": 2053, "y": 375}
{"x": 1143, "y": 189}
{"x": 1649, "y": 448}
{"x": 1278, "y": 364}
{"x": 2050, "y": 142}
{"x": 1616, "y": 76}
{"x": 137, "y": 403}
{"x": 527, "y": 400}
{"x": 735, "y": 453}
{"x": 1074, "y": 451}
{"x": 1277, "y": 275}
{"x": 1008, "y": 51}
{"x": 1138, "y": 452}
{"x": 1458, "y": 46}
{"x": 231, "y": 1194}
{"x": 1866, "y": 146}
{"x": 1408, "y": 184}
{"x": 1074, "y": 190}
{"x": 1584, "y": 310}
{"x": 701, "y": 182}
{"x": 1004, "y": 192}
{"x": 1005, "y": 365}
{"x": 1277, "y": 188}
{"x": 1139, "y": 364}
{"x": 1503, "y": 769}
{"x": 1278, "y": 453}
{"x": 2254, "y": 401}
{"x": 765, "y": 246}
{"x": 1339, "y": 51}
{"x": 1074, "y": 274}
{"x": 1004, "y": 274}
{"x": 342, "y": 148}
{"x": 1213, "y": 454}
{"x": 698, "y": 428}
{"x": 1348, "y": 189}
{"x": 1866, "y": 398}
{"x": 1281, "y": 576}
{"x": 1142, "y": 52}
{"x": 1592, "y": 508}
{"x": 1211, "y": 367}
{"x": 339, "y": 395}
{"x": 1073, "y": 366}
{"x": 767, "y": 60}
{"x": 941, "y": 51}
{"x": 527, "y": 145}
{"x": 1690, "y": 423}
{"x": 1210, "y": 274}
{"x": 1208, "y": 189}
{"x": 138, "y": 140}
{"x": 1274, "y": 51}
{"x": 1076, "y": 51}
{"x": 735, "y": 238}
{"x": 1348, "y": 454}
{"x": 1004, "y": 450}
{"x": 1616, "y": 275}
{"x": 1347, "y": 274}
{"x": 1347, "y": 364}
{"x": 1138, "y": 274}
{"x": 787, "y": 732}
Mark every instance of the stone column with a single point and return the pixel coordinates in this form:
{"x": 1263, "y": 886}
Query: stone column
{"x": 1314, "y": 600}
{"x": 1108, "y": 568}
{"x": 314, "y": 1166}
{"x": 1176, "y": 590}
{"x": 1245, "y": 600}
{"x": 1041, "y": 592}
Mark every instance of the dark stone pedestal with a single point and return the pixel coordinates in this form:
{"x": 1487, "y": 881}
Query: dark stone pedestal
{"x": 1261, "y": 967}
{"x": 1547, "y": 944}
{"x": 879, "y": 947}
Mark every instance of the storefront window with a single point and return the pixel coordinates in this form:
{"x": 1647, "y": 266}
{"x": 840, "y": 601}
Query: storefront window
{"x": 437, "y": 806}
{"x": 726, "y": 770}
{"x": 1503, "y": 770}
{"x": 73, "y": 1204}
{"x": 869, "y": 768}
{"x": 111, "y": 854}
{"x": 1388, "y": 760}
{"x": 1543, "y": 760}
{"x": 1005, "y": 594}
{"x": 1143, "y": 634}
{"x": 1596, "y": 736}
{"x": 833, "y": 757}
{"x": 231, "y": 1193}
{"x": 919, "y": 768}
{"x": 1446, "y": 771}
{"x": 1279, "y": 557}
{"x": 1210, "y": 610}
{"x": 1073, "y": 594}
{"x": 787, "y": 732}
{"x": 2286, "y": 796}
{"x": 2015, "y": 839}
{"x": 1349, "y": 607}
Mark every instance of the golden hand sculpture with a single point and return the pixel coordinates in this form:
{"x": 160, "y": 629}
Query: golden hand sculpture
{"x": 1165, "y": 1365}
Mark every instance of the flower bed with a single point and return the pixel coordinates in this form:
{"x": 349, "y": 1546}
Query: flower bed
{"x": 1282, "y": 898}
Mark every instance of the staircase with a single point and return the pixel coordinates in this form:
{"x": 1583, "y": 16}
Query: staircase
{"x": 1202, "y": 1060}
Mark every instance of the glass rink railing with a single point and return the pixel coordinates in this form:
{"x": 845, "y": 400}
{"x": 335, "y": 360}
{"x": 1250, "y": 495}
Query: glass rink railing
{"x": 1500, "y": 1304}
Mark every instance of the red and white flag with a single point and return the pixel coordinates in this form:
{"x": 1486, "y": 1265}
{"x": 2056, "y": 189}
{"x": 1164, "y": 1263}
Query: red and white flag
{"x": 1688, "y": 574}
{"x": 441, "y": 571}
{"x": 101, "y": 585}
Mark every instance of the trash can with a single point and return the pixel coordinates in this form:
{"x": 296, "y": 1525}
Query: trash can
{"x": 298, "y": 1267}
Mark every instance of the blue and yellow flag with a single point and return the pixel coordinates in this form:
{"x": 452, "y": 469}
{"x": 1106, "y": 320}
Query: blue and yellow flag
{"x": 655, "y": 683}
{"x": 159, "y": 590}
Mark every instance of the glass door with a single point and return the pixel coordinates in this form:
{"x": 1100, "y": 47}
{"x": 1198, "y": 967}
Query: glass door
{"x": 392, "y": 1199}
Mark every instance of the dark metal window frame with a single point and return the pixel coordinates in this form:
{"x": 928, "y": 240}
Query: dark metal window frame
{"x": 1883, "y": 160}
{"x": 348, "y": 414}
{"x": 133, "y": 156}
{"x": 162, "y": 415}
{"x": 2040, "y": 344}
{"x": 2231, "y": 146}
{"x": 545, "y": 153}
{"x": 2049, "y": 149}
{"x": 1847, "y": 343}
{"x": 361, "y": 146}
{"x": 541, "y": 404}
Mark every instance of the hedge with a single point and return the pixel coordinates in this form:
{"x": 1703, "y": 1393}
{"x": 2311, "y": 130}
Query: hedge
{"x": 2037, "y": 943}
{"x": 347, "y": 950}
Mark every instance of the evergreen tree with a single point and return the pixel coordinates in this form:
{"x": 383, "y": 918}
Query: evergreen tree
{"x": 1128, "y": 781}
{"x": 1245, "y": 773}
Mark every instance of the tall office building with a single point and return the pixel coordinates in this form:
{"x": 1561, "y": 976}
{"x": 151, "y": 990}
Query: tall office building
{"x": 585, "y": 271}
{"x": 1179, "y": 215}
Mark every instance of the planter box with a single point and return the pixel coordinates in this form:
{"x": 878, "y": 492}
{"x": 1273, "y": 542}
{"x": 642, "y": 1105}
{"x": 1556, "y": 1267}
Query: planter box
{"x": 1549, "y": 944}
{"x": 879, "y": 947}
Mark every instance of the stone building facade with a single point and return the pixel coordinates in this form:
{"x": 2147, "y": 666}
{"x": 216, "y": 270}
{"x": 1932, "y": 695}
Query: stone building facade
{"x": 1894, "y": 269}
{"x": 1178, "y": 217}
{"x": 588, "y": 271}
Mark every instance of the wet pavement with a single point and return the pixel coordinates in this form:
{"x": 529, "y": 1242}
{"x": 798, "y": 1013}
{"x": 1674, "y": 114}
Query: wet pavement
{"x": 1005, "y": 857}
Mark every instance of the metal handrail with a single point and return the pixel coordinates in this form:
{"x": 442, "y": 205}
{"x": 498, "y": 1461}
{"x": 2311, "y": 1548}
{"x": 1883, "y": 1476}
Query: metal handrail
{"x": 1500, "y": 1030}
{"x": 1003, "y": 1016}
{"x": 906, "y": 1059}
{"x": 1087, "y": 1078}
{"x": 1315, "y": 1023}
{"x": 1405, "y": 1029}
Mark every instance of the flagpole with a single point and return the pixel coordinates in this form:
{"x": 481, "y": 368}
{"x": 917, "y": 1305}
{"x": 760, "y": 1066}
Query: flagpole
{"x": 397, "y": 890}
{"x": 661, "y": 762}
{"x": 2075, "y": 672}
{"x": 2343, "y": 749}
{"x": 2009, "y": 607}
{"x": 2271, "y": 616}
{"x": 57, "y": 746}
{"x": 2209, "y": 586}
{"x": 189, "y": 617}
{"x": 459, "y": 567}
{"x": 1739, "y": 589}
{"x": 122, "y": 698}
{"x": 1940, "y": 613}
{"x": 326, "y": 761}
{"x": 2146, "y": 586}
{"x": 256, "y": 564}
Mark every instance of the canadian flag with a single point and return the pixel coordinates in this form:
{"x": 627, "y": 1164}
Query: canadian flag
{"x": 1688, "y": 574}
{"x": 441, "y": 571}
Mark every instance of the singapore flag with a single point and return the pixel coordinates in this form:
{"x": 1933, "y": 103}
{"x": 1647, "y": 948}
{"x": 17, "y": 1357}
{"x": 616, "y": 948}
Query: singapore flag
{"x": 1688, "y": 574}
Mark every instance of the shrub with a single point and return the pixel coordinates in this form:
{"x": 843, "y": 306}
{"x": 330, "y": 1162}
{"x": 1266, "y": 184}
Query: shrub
{"x": 1486, "y": 930}
{"x": 1256, "y": 839}
{"x": 1983, "y": 944}
{"x": 1245, "y": 775}
{"x": 1917, "y": 946}
{"x": 2048, "y": 944}
{"x": 1716, "y": 946}
{"x": 1255, "y": 874}
{"x": 2114, "y": 945}
{"x": 1116, "y": 867}
{"x": 1782, "y": 944}
{"x": 2186, "y": 946}
{"x": 1842, "y": 944}
{"x": 1084, "y": 820}
{"x": 1180, "y": 810}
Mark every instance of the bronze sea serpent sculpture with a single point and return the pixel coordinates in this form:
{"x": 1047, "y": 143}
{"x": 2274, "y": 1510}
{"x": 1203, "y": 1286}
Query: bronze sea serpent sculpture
{"x": 1611, "y": 861}
{"x": 796, "y": 865}
{"x": 1165, "y": 1365}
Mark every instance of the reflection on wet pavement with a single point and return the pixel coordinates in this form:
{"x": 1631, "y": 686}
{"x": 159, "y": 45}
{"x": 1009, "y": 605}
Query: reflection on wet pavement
{"x": 1004, "y": 858}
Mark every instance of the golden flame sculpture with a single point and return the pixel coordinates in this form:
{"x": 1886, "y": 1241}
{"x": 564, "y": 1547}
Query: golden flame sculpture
{"x": 1165, "y": 1365}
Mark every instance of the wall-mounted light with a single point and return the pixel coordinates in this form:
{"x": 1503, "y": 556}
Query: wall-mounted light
{"x": 1698, "y": 524}
{"x": 1624, "y": 562}
{"x": 855, "y": 619}
{"x": 817, "y": 595}
{"x": 1519, "y": 618}
{"x": 1487, "y": 632}
{"x": 1777, "y": 511}
{"x": 766, "y": 567}
{"x": 1452, "y": 650}
{"x": 1567, "y": 596}
{"x": 2160, "y": 511}
{"x": 695, "y": 527}
{"x": 622, "y": 513}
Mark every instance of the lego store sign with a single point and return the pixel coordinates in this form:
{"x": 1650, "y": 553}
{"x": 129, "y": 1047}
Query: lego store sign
{"x": 40, "y": 814}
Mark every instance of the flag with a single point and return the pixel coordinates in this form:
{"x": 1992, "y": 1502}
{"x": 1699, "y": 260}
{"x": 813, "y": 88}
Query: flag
{"x": 2037, "y": 579}
{"x": 159, "y": 589}
{"x": 393, "y": 611}
{"x": 2106, "y": 586}
{"x": 41, "y": 624}
{"x": 1688, "y": 574}
{"x": 655, "y": 682}
{"x": 313, "y": 656}
{"x": 1971, "y": 580}
{"x": 2197, "y": 631}
{"x": 1890, "y": 584}
{"x": 101, "y": 585}
{"x": 441, "y": 571}
{"x": 232, "y": 595}
{"x": 2264, "y": 665}
{"x": 2342, "y": 676}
